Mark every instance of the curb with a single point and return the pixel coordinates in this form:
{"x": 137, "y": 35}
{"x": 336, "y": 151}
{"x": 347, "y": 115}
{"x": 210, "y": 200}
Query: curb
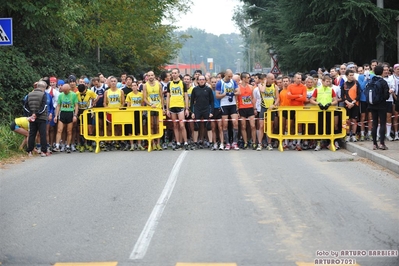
{"x": 382, "y": 160}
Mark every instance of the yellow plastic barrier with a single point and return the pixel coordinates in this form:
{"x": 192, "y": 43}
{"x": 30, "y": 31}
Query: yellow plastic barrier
{"x": 120, "y": 117}
{"x": 306, "y": 116}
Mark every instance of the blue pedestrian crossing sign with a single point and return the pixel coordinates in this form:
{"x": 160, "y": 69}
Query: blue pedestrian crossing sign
{"x": 5, "y": 31}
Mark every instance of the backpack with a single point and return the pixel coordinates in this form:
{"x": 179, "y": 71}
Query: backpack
{"x": 374, "y": 92}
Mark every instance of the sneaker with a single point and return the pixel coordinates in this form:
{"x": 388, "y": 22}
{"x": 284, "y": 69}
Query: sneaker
{"x": 353, "y": 138}
{"x": 126, "y": 148}
{"x": 317, "y": 148}
{"x": 227, "y": 148}
{"x": 62, "y": 148}
{"x": 235, "y": 146}
{"x": 221, "y": 147}
{"x": 347, "y": 139}
{"x": 396, "y": 137}
{"x": 55, "y": 149}
{"x": 165, "y": 146}
{"x": 73, "y": 148}
{"x": 259, "y": 148}
{"x": 68, "y": 149}
{"x": 82, "y": 148}
{"x": 186, "y": 146}
{"x": 117, "y": 146}
{"x": 362, "y": 138}
{"x": 215, "y": 147}
{"x": 382, "y": 147}
{"x": 132, "y": 148}
{"x": 245, "y": 146}
{"x": 298, "y": 147}
{"x": 254, "y": 146}
{"x": 370, "y": 138}
{"x": 141, "y": 148}
{"x": 337, "y": 145}
{"x": 285, "y": 146}
{"x": 389, "y": 138}
{"x": 269, "y": 147}
{"x": 154, "y": 147}
{"x": 90, "y": 148}
{"x": 45, "y": 154}
{"x": 103, "y": 147}
{"x": 30, "y": 154}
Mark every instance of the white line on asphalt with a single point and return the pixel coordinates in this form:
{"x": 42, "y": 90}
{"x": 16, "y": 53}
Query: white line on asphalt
{"x": 142, "y": 244}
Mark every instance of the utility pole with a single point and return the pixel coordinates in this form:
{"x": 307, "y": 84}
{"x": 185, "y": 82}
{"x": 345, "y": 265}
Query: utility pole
{"x": 397, "y": 22}
{"x": 380, "y": 42}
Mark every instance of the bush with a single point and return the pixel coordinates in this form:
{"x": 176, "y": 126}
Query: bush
{"x": 9, "y": 141}
{"x": 16, "y": 79}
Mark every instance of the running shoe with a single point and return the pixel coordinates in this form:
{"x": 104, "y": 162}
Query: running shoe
{"x": 117, "y": 146}
{"x": 62, "y": 148}
{"x": 269, "y": 147}
{"x": 186, "y": 147}
{"x": 68, "y": 149}
{"x": 56, "y": 149}
{"x": 235, "y": 146}
{"x": 82, "y": 148}
{"x": 254, "y": 146}
{"x": 347, "y": 139}
{"x": 298, "y": 147}
{"x": 362, "y": 138}
{"x": 388, "y": 137}
{"x": 317, "y": 148}
{"x": 73, "y": 148}
{"x": 30, "y": 154}
{"x": 396, "y": 136}
{"x": 259, "y": 148}
{"x": 165, "y": 146}
{"x": 227, "y": 148}
{"x": 132, "y": 148}
{"x": 221, "y": 147}
{"x": 337, "y": 145}
{"x": 353, "y": 138}
{"x": 141, "y": 148}
{"x": 215, "y": 147}
{"x": 159, "y": 147}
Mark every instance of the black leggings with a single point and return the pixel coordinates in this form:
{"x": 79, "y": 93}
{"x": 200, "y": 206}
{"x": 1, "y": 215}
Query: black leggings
{"x": 380, "y": 114}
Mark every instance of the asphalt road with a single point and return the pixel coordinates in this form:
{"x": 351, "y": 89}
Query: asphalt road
{"x": 170, "y": 208}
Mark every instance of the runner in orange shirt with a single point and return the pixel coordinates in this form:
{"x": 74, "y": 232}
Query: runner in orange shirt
{"x": 296, "y": 92}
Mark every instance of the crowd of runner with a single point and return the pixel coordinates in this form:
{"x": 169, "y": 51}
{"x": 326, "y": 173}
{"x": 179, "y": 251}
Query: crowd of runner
{"x": 220, "y": 112}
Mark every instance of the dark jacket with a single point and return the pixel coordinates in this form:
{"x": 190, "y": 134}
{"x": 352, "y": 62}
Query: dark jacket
{"x": 36, "y": 103}
{"x": 385, "y": 88}
{"x": 202, "y": 99}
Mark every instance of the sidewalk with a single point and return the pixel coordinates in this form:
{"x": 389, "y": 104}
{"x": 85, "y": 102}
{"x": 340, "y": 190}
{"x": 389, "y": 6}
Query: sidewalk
{"x": 387, "y": 158}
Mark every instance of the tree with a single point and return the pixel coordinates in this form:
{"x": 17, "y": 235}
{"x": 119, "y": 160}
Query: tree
{"x": 61, "y": 37}
{"x": 309, "y": 34}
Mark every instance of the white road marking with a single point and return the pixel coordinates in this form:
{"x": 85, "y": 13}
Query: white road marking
{"x": 142, "y": 244}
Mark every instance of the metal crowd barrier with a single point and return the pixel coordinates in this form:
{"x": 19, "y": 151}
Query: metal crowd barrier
{"x": 121, "y": 116}
{"x": 322, "y": 121}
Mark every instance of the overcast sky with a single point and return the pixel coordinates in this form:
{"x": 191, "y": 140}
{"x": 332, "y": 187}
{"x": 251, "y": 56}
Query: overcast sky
{"x": 213, "y": 16}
